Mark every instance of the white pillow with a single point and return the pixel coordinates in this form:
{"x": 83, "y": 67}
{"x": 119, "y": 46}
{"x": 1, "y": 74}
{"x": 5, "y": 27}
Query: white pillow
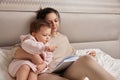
{"x": 5, "y": 59}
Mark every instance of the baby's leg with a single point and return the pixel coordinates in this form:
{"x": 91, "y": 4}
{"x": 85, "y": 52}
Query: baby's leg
{"x": 32, "y": 76}
{"x": 23, "y": 72}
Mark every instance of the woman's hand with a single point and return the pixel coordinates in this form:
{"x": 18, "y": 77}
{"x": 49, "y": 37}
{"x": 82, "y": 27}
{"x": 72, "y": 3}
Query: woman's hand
{"x": 36, "y": 59}
{"x": 92, "y": 53}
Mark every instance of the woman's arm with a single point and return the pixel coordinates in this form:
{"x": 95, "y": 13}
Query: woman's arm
{"x": 21, "y": 54}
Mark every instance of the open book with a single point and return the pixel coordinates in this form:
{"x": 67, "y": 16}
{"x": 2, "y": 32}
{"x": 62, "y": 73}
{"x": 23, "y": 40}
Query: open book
{"x": 66, "y": 62}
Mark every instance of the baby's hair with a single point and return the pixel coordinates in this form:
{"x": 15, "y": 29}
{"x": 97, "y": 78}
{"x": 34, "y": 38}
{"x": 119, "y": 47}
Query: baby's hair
{"x": 37, "y": 24}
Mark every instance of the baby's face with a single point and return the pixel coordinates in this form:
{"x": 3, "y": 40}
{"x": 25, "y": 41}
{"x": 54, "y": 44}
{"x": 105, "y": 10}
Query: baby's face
{"x": 43, "y": 35}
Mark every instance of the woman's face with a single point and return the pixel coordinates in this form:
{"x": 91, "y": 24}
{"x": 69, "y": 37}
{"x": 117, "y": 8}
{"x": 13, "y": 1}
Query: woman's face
{"x": 53, "y": 20}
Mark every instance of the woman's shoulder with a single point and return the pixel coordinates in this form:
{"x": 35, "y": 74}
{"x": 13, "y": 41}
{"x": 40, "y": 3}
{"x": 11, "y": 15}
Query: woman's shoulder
{"x": 61, "y": 35}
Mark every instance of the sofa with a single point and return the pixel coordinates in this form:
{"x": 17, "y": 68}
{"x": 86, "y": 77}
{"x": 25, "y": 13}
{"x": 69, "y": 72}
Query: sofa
{"x": 84, "y": 31}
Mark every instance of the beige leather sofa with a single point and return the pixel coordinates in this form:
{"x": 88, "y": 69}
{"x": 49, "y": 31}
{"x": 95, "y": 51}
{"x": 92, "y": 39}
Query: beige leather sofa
{"x": 83, "y": 30}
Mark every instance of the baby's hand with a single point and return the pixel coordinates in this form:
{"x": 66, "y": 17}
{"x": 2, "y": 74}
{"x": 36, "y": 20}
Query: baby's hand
{"x": 50, "y": 48}
{"x": 41, "y": 67}
{"x": 92, "y": 53}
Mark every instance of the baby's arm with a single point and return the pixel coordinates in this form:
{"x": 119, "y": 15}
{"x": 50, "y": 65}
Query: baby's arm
{"x": 47, "y": 60}
{"x": 32, "y": 46}
{"x": 50, "y": 48}
{"x": 49, "y": 55}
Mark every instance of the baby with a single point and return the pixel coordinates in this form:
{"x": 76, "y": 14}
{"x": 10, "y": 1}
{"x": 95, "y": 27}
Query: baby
{"x": 35, "y": 43}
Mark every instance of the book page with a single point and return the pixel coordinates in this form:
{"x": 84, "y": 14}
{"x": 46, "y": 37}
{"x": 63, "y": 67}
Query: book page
{"x": 66, "y": 62}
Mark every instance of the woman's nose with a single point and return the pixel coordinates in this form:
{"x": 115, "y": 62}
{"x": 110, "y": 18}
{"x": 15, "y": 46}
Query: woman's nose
{"x": 53, "y": 23}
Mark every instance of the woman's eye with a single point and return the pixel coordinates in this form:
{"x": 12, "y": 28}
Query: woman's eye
{"x": 49, "y": 22}
{"x": 56, "y": 20}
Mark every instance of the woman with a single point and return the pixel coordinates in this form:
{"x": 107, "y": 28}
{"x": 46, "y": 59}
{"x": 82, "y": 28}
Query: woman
{"x": 85, "y": 66}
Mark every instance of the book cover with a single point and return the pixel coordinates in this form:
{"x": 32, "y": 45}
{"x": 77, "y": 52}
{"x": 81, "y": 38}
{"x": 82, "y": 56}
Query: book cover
{"x": 66, "y": 62}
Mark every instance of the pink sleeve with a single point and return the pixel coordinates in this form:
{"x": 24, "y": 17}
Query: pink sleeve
{"x": 49, "y": 57}
{"x": 32, "y": 46}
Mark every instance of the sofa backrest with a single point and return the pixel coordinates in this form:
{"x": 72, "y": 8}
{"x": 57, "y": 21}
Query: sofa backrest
{"x": 93, "y": 31}
{"x": 87, "y": 23}
{"x": 83, "y": 30}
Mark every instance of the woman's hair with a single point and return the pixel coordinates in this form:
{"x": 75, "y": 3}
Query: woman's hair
{"x": 37, "y": 24}
{"x": 42, "y": 13}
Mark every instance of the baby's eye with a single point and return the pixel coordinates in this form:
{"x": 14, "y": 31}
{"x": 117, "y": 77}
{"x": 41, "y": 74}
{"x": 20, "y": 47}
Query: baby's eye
{"x": 44, "y": 35}
{"x": 49, "y": 35}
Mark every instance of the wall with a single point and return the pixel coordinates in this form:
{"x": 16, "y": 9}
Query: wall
{"x": 84, "y": 6}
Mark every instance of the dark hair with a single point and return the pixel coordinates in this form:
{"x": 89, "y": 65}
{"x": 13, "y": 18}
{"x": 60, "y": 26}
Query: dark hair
{"x": 37, "y": 24}
{"x": 42, "y": 13}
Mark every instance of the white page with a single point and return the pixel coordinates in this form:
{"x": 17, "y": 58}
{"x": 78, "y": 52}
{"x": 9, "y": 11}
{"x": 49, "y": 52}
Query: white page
{"x": 66, "y": 62}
